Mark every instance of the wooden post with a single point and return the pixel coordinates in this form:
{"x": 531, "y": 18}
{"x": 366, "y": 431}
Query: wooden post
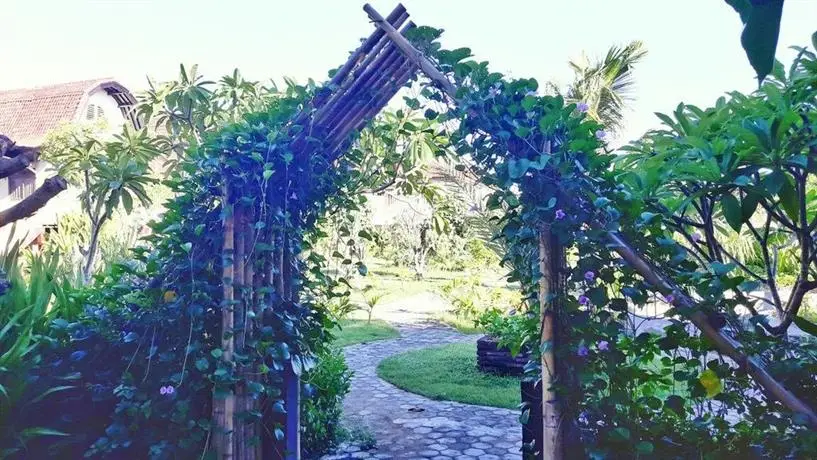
{"x": 292, "y": 402}
{"x": 549, "y": 287}
{"x": 223, "y": 409}
{"x": 292, "y": 382}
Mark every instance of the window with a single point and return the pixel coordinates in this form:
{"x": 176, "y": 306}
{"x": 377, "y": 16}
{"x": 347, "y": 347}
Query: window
{"x": 21, "y": 184}
{"x": 94, "y": 112}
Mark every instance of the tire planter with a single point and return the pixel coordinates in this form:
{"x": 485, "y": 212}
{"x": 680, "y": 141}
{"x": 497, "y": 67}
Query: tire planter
{"x": 493, "y": 359}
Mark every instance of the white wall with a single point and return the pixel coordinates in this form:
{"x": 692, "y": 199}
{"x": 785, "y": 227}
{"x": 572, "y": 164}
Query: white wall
{"x": 112, "y": 114}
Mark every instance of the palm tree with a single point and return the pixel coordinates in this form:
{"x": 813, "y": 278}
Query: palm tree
{"x": 606, "y": 85}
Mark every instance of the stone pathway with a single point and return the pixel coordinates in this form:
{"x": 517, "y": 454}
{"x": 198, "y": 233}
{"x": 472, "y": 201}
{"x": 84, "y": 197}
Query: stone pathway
{"x": 409, "y": 426}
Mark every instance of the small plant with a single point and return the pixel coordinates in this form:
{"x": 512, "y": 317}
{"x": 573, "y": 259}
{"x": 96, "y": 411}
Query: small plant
{"x": 360, "y": 436}
{"x": 341, "y": 307}
{"x": 325, "y": 386}
{"x": 372, "y": 298}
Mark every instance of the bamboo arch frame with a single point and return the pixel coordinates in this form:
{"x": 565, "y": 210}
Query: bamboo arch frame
{"x": 357, "y": 92}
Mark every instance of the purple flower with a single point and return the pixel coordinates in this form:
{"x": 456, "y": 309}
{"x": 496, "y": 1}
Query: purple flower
{"x": 582, "y": 107}
{"x": 293, "y": 196}
{"x": 601, "y": 134}
{"x": 494, "y": 91}
{"x": 584, "y": 300}
{"x": 583, "y": 417}
{"x": 583, "y": 351}
{"x": 669, "y": 298}
{"x": 590, "y": 276}
{"x": 604, "y": 345}
{"x": 560, "y": 214}
{"x": 168, "y": 390}
{"x": 696, "y": 237}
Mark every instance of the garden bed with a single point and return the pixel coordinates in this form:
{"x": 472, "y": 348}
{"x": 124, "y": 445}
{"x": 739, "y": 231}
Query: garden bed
{"x": 494, "y": 359}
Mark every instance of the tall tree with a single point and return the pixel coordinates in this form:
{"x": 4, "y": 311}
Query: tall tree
{"x": 606, "y": 85}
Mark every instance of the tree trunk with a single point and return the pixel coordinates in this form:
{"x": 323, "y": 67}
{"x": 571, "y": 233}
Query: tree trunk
{"x": 552, "y": 444}
{"x": 90, "y": 254}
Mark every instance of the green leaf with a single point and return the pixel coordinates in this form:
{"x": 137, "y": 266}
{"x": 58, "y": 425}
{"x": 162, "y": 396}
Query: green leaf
{"x": 620, "y": 434}
{"x": 529, "y": 102}
{"x": 518, "y": 168}
{"x": 806, "y": 325}
{"x": 202, "y": 364}
{"x": 774, "y": 181}
{"x": 51, "y": 391}
{"x": 711, "y": 383}
{"x": 760, "y": 32}
{"x": 644, "y": 447}
{"x": 731, "y": 211}
{"x": 722, "y": 269}
{"x": 748, "y": 205}
{"x": 217, "y": 352}
{"x": 522, "y": 131}
{"x": 127, "y": 201}
{"x": 187, "y": 246}
{"x": 788, "y": 199}
{"x": 29, "y": 433}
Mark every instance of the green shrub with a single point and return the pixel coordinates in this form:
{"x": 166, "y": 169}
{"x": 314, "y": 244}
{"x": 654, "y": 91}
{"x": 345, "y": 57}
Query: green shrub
{"x": 31, "y": 298}
{"x": 325, "y": 387}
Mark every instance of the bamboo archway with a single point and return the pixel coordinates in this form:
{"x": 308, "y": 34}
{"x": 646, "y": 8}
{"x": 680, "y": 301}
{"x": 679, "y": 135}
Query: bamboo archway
{"x": 357, "y": 92}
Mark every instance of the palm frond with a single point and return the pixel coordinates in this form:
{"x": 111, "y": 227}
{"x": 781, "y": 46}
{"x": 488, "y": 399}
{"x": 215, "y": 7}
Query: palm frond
{"x": 607, "y": 85}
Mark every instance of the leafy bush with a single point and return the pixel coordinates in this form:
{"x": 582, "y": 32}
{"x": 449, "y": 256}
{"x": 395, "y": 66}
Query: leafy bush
{"x": 322, "y": 405}
{"x": 470, "y": 298}
{"x": 32, "y": 296}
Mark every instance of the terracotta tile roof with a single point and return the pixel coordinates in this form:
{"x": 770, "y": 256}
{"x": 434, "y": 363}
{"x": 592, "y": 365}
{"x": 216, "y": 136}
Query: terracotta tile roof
{"x": 27, "y": 115}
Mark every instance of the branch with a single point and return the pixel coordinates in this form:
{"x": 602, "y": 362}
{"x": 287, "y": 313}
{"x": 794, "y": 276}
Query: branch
{"x": 726, "y": 345}
{"x": 31, "y": 204}
{"x": 14, "y": 158}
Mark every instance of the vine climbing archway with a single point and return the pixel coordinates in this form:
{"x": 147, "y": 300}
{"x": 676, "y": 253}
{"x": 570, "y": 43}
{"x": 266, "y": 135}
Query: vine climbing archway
{"x": 258, "y": 187}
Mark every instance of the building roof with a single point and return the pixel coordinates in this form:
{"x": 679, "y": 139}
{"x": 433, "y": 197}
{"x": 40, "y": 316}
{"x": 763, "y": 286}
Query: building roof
{"x": 27, "y": 115}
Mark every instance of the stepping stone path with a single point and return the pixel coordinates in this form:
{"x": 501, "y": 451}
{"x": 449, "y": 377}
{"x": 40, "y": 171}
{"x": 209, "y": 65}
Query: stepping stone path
{"x": 409, "y": 426}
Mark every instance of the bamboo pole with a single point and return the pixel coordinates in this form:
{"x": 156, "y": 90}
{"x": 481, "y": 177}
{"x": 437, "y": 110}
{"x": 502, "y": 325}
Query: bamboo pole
{"x": 549, "y": 286}
{"x": 411, "y": 52}
{"x": 223, "y": 408}
{"x": 359, "y": 106}
{"x": 361, "y": 63}
{"x": 723, "y": 344}
{"x": 238, "y": 317}
{"x": 381, "y": 100}
{"x": 345, "y": 104}
{"x": 396, "y": 17}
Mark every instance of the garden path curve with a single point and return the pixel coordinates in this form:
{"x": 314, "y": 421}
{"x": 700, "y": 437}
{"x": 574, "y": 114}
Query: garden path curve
{"x": 409, "y": 426}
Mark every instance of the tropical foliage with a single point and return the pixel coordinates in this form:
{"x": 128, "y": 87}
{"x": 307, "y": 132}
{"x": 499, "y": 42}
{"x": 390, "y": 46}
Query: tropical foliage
{"x": 605, "y": 87}
{"x": 620, "y": 389}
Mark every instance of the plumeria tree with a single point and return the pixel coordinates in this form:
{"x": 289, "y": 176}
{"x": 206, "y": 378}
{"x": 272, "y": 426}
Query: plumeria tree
{"x": 109, "y": 174}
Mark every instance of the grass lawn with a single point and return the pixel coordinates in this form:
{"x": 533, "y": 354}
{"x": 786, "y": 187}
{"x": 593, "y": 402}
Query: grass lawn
{"x": 354, "y": 331}
{"x": 466, "y": 326}
{"x": 450, "y": 373}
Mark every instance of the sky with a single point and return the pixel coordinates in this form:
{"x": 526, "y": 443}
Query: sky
{"x": 694, "y": 45}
